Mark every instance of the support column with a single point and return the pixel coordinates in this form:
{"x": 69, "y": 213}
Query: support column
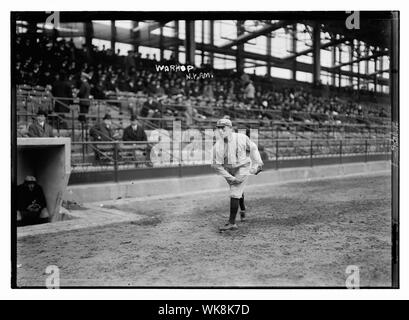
{"x": 211, "y": 31}
{"x": 294, "y": 50}
{"x": 375, "y": 79}
{"x": 89, "y": 34}
{"x": 176, "y": 36}
{"x": 134, "y": 38}
{"x": 32, "y": 31}
{"x": 203, "y": 40}
{"x": 161, "y": 44}
{"x": 113, "y": 36}
{"x": 190, "y": 45}
{"x": 367, "y": 61}
{"x": 334, "y": 62}
{"x": 240, "y": 48}
{"x": 269, "y": 54}
{"x": 359, "y": 66}
{"x": 351, "y": 66}
{"x": 381, "y": 68}
{"x": 31, "y": 28}
{"x": 316, "y": 43}
{"x": 367, "y": 67}
{"x": 339, "y": 69}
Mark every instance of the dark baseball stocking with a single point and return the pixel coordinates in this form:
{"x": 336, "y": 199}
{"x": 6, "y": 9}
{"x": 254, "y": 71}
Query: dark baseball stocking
{"x": 234, "y": 206}
{"x": 241, "y": 202}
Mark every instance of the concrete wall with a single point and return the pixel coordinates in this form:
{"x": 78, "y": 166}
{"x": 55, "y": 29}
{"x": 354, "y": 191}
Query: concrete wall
{"x": 49, "y": 160}
{"x": 177, "y": 186}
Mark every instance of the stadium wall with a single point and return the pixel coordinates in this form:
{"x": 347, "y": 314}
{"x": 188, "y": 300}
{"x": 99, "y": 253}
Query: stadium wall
{"x": 104, "y": 175}
{"x": 211, "y": 182}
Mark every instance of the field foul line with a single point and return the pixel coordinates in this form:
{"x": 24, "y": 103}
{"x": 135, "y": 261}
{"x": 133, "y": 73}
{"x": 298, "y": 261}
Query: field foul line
{"x": 72, "y": 225}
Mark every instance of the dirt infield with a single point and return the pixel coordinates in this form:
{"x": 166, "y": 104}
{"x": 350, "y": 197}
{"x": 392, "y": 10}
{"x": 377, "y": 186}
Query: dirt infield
{"x": 297, "y": 234}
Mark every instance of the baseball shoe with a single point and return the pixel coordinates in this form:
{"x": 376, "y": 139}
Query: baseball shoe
{"x": 243, "y": 215}
{"x": 228, "y": 226}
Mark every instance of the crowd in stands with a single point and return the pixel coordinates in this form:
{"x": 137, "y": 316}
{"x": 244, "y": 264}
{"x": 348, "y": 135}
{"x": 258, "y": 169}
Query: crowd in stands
{"x": 103, "y": 74}
{"x": 87, "y": 73}
{"x": 102, "y": 131}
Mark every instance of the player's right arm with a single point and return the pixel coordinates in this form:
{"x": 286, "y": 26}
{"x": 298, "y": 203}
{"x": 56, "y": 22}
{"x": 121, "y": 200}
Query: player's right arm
{"x": 218, "y": 166}
{"x": 223, "y": 172}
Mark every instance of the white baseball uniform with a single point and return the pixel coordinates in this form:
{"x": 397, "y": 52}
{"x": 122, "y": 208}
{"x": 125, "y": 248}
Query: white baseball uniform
{"x": 237, "y": 157}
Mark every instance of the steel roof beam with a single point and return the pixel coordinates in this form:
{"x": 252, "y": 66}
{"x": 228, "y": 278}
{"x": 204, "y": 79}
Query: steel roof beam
{"x": 375, "y": 55}
{"x": 322, "y": 46}
{"x": 248, "y": 36}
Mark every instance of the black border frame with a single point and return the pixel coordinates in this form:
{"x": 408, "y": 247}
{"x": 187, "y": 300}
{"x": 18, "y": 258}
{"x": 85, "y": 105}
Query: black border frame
{"x": 80, "y": 16}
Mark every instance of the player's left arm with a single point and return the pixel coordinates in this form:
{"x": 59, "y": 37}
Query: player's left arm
{"x": 254, "y": 155}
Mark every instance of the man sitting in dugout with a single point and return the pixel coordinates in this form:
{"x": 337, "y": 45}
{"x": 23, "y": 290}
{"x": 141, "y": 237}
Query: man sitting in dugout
{"x": 31, "y": 203}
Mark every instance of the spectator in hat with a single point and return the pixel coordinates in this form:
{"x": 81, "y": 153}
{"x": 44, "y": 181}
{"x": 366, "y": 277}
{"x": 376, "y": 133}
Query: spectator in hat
{"x": 61, "y": 89}
{"x": 249, "y": 92}
{"x": 31, "y": 203}
{"x": 208, "y": 90}
{"x": 102, "y": 132}
{"x": 39, "y": 128}
{"x": 129, "y": 62}
{"x": 136, "y": 132}
{"x": 149, "y": 107}
{"x": 83, "y": 94}
{"x": 159, "y": 90}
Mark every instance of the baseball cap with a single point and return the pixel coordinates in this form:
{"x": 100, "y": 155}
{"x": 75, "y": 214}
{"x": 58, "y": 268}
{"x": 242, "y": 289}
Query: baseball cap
{"x": 30, "y": 179}
{"x": 41, "y": 113}
{"x": 85, "y": 75}
{"x": 223, "y": 123}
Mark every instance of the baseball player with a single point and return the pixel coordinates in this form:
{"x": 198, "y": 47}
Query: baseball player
{"x": 235, "y": 157}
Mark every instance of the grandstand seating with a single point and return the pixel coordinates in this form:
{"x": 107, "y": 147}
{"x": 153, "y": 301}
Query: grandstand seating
{"x": 278, "y": 111}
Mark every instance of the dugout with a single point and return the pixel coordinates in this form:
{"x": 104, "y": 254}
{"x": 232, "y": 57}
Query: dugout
{"x": 49, "y": 160}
